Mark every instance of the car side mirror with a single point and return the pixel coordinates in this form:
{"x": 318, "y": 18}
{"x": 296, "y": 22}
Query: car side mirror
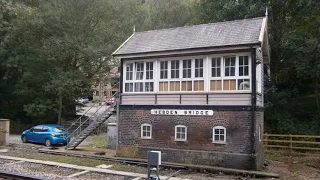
{"x": 31, "y": 130}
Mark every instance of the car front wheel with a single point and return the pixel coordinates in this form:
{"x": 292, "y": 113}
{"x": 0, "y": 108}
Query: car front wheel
{"x": 24, "y": 139}
{"x": 48, "y": 142}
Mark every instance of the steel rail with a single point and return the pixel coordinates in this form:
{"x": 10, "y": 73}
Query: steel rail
{"x": 17, "y": 176}
{"x": 142, "y": 162}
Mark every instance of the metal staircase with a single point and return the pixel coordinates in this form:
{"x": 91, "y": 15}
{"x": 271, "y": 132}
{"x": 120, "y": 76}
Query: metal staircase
{"x": 95, "y": 120}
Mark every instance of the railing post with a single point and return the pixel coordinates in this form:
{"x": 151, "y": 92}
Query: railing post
{"x": 266, "y": 138}
{"x": 155, "y": 98}
{"x": 207, "y": 98}
{"x": 180, "y": 98}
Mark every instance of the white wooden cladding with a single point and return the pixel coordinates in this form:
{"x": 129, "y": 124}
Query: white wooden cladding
{"x": 186, "y": 99}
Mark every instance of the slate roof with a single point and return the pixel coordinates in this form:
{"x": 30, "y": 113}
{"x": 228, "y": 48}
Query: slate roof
{"x": 228, "y": 33}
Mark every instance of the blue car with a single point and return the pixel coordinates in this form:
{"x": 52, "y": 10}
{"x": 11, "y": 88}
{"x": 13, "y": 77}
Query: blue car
{"x": 48, "y": 134}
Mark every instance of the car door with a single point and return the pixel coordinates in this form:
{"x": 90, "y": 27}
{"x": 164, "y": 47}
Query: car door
{"x": 30, "y": 134}
{"x": 44, "y": 134}
{"x": 37, "y": 134}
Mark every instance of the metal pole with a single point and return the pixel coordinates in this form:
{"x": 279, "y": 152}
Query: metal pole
{"x": 118, "y": 117}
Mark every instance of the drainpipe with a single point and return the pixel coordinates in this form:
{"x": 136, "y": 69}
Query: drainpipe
{"x": 118, "y": 100}
{"x": 253, "y": 100}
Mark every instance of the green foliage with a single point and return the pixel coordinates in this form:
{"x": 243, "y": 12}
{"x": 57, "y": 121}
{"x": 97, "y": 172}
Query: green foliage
{"x": 51, "y": 52}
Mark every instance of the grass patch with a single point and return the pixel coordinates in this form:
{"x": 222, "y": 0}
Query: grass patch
{"x": 97, "y": 142}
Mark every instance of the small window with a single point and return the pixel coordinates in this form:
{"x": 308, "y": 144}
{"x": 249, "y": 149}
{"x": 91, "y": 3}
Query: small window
{"x": 146, "y": 131}
{"x": 180, "y": 133}
{"x": 97, "y": 93}
{"x": 219, "y": 134}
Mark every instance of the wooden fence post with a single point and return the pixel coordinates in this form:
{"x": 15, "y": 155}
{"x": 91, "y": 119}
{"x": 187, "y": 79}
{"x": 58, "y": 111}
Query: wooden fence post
{"x": 266, "y": 141}
{"x": 290, "y": 144}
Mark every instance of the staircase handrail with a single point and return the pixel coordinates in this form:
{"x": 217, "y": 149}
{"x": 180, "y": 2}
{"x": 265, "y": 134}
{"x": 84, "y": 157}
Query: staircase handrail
{"x": 79, "y": 119}
{"x": 112, "y": 106}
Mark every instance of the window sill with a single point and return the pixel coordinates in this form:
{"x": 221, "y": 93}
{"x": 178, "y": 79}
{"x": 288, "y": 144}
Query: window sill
{"x": 180, "y": 140}
{"x": 145, "y": 137}
{"x": 217, "y": 142}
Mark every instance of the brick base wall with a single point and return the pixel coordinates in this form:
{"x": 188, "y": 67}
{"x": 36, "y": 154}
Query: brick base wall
{"x": 198, "y": 148}
{"x": 259, "y": 148}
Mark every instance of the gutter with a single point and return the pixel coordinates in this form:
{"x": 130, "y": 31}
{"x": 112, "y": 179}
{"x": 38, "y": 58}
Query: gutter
{"x": 253, "y": 100}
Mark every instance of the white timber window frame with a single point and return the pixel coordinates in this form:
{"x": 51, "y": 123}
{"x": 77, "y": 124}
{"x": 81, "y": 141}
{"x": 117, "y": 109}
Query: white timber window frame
{"x": 172, "y": 78}
{"x": 182, "y": 75}
{"x": 146, "y": 131}
{"x": 225, "y": 76}
{"x": 139, "y": 76}
{"x": 219, "y": 135}
{"x": 180, "y": 133}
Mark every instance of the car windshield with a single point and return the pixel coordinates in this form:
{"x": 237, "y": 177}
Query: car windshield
{"x": 58, "y": 129}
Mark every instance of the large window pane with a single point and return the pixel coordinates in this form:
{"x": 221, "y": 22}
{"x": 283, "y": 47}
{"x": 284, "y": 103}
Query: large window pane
{"x": 230, "y": 66}
{"x": 138, "y": 87}
{"x": 148, "y": 87}
{"x": 163, "y": 69}
{"x": 215, "y": 85}
{"x": 186, "y": 86}
{"x": 216, "y": 67}
{"x": 243, "y": 66}
{"x": 139, "y": 70}
{"x": 175, "y": 86}
{"x": 163, "y": 86}
{"x": 198, "y": 86}
{"x": 187, "y": 68}
{"x": 229, "y": 84}
{"x": 198, "y": 68}
{"x": 149, "y": 70}
{"x": 129, "y": 71}
{"x": 175, "y": 69}
{"x": 128, "y": 87}
{"x": 243, "y": 84}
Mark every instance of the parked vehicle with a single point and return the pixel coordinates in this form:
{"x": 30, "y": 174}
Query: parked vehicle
{"x": 82, "y": 100}
{"x": 111, "y": 101}
{"x": 47, "y": 134}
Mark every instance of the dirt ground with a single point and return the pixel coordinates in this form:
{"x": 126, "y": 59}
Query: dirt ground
{"x": 293, "y": 167}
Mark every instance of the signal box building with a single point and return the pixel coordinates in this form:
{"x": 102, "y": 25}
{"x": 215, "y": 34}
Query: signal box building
{"x": 195, "y": 93}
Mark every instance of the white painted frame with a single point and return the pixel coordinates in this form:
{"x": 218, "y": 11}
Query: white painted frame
{"x": 207, "y": 71}
{"x": 144, "y": 75}
{"x": 213, "y": 135}
{"x": 222, "y": 71}
{"x": 146, "y": 125}
{"x": 175, "y": 132}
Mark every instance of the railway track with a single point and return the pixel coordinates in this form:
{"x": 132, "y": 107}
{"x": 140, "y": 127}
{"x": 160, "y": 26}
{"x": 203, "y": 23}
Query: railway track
{"x": 17, "y": 176}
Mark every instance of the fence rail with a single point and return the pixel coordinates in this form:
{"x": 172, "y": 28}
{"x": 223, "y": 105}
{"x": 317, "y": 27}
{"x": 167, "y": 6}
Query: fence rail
{"x": 292, "y": 143}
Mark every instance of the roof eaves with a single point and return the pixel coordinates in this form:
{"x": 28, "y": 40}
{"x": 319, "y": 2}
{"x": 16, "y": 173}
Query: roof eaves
{"x": 180, "y": 50}
{"x": 122, "y": 44}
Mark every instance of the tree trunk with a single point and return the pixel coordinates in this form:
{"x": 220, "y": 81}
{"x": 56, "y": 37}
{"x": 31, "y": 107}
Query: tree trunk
{"x": 60, "y": 109}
